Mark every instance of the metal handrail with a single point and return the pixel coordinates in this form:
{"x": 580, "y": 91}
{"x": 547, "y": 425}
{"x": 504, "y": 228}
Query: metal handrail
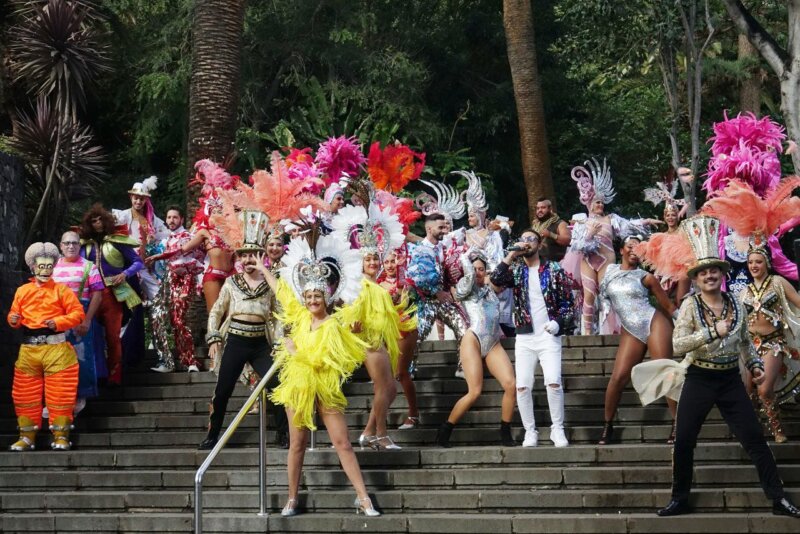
{"x": 258, "y": 394}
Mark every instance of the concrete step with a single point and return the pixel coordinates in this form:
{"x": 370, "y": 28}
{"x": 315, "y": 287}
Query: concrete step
{"x": 428, "y": 501}
{"x": 417, "y": 523}
{"x": 551, "y": 477}
{"x": 434, "y": 458}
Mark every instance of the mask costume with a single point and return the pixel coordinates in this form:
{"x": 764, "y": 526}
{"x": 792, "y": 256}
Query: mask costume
{"x": 147, "y": 230}
{"x": 47, "y": 363}
{"x": 592, "y": 246}
{"x": 746, "y": 149}
{"x": 709, "y": 373}
{"x": 772, "y": 321}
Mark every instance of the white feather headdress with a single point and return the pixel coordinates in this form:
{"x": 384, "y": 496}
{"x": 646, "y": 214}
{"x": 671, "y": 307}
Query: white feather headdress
{"x": 594, "y": 182}
{"x": 447, "y": 201}
{"x": 332, "y": 268}
{"x": 372, "y": 231}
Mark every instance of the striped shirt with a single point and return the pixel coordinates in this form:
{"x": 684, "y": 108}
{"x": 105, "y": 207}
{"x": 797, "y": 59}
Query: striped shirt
{"x": 71, "y": 274}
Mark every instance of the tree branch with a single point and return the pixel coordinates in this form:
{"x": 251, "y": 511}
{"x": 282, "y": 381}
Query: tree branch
{"x": 775, "y": 56}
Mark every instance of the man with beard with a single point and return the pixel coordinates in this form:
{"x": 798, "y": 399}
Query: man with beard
{"x": 543, "y": 311}
{"x": 115, "y": 256}
{"x": 145, "y": 228}
{"x": 238, "y": 330}
{"x": 553, "y": 229}
{"x": 711, "y": 331}
{"x": 429, "y": 285}
{"x": 171, "y": 304}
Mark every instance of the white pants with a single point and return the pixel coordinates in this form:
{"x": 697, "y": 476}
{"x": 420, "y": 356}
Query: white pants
{"x": 545, "y": 350}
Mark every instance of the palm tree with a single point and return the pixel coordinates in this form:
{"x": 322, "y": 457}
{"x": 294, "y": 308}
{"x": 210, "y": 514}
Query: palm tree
{"x": 518, "y": 23}
{"x": 214, "y": 88}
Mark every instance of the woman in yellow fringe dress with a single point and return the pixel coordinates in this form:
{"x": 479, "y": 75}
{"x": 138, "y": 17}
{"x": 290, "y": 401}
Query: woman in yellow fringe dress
{"x": 319, "y": 353}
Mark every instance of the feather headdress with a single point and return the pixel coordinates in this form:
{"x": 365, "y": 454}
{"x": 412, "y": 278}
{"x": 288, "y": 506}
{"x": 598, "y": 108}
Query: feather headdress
{"x": 212, "y": 178}
{"x": 394, "y": 166}
{"x": 474, "y": 196}
{"x": 330, "y": 267}
{"x": 372, "y": 231}
{"x": 594, "y": 182}
{"x": 745, "y": 148}
{"x": 403, "y": 208}
{"x": 302, "y": 167}
{"x": 743, "y": 210}
{"x": 339, "y": 156}
{"x": 665, "y": 192}
{"x": 447, "y": 201}
{"x": 668, "y": 254}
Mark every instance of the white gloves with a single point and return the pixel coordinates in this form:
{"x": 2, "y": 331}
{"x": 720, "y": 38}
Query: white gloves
{"x": 551, "y": 327}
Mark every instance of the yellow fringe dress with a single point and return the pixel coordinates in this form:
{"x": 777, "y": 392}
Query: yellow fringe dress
{"x": 323, "y": 360}
{"x": 382, "y": 322}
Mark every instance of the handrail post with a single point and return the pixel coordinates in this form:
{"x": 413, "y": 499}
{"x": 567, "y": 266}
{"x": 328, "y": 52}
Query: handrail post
{"x": 262, "y": 454}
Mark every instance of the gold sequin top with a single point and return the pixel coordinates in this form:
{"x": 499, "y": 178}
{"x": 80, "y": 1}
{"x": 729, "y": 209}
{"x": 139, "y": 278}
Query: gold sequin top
{"x": 695, "y": 336}
{"x": 236, "y": 298}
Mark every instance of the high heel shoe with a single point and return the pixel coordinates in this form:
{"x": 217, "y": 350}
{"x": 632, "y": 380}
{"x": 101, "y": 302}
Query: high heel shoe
{"x": 364, "y": 506}
{"x": 367, "y": 442}
{"x": 290, "y": 509}
{"x": 410, "y": 422}
{"x": 608, "y": 434}
{"x": 385, "y": 443}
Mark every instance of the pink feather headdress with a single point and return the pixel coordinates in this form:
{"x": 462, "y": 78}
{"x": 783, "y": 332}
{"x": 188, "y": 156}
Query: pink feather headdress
{"x": 301, "y": 166}
{"x": 745, "y": 148}
{"x": 212, "y": 177}
{"x": 339, "y": 156}
{"x": 748, "y": 214}
{"x": 669, "y": 254}
{"x": 402, "y": 207}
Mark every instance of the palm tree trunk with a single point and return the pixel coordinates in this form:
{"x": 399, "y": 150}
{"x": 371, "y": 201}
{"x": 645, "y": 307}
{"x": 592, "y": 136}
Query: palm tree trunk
{"x": 521, "y": 47}
{"x": 214, "y": 90}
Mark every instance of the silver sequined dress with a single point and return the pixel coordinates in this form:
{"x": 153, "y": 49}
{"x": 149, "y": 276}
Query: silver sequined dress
{"x": 624, "y": 293}
{"x": 482, "y": 307}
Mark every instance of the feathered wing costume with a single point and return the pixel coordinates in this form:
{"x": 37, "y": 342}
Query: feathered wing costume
{"x": 375, "y": 231}
{"x": 325, "y": 356}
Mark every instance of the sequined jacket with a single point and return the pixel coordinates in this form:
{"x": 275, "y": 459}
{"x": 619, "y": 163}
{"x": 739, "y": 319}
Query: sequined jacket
{"x": 696, "y": 338}
{"x": 236, "y": 298}
{"x": 556, "y": 287}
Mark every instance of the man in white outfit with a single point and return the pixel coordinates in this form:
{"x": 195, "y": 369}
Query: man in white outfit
{"x": 543, "y": 312}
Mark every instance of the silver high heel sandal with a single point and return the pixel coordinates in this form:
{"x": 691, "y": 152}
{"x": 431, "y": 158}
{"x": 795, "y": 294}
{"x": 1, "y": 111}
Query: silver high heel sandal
{"x": 409, "y": 423}
{"x": 364, "y": 506}
{"x": 385, "y": 443}
{"x": 290, "y": 509}
{"x": 366, "y": 442}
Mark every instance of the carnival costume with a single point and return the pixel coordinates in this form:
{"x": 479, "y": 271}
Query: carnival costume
{"x": 665, "y": 193}
{"x": 709, "y": 376}
{"x": 116, "y": 254}
{"x": 426, "y": 274}
{"x": 172, "y": 302}
{"x": 324, "y": 357}
{"x": 47, "y": 362}
{"x": 746, "y": 149}
{"x": 147, "y": 230}
{"x": 623, "y": 292}
{"x": 242, "y": 342}
{"x": 593, "y": 238}
{"x": 83, "y": 278}
{"x": 481, "y": 305}
{"x": 748, "y": 214}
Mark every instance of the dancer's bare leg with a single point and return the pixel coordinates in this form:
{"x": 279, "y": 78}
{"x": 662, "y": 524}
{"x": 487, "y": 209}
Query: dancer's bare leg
{"x": 380, "y": 371}
{"x": 499, "y": 365}
{"x": 337, "y": 430}
{"x": 472, "y": 364}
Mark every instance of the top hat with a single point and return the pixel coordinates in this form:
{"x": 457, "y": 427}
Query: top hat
{"x": 702, "y": 232}
{"x": 255, "y": 229}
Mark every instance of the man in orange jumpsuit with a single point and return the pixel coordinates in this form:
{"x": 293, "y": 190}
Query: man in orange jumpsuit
{"x": 44, "y": 310}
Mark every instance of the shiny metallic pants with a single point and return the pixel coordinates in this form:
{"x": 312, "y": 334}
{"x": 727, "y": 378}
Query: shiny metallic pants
{"x": 429, "y": 310}
{"x": 169, "y": 311}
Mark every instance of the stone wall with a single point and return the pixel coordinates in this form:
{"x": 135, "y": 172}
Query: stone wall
{"x": 12, "y": 214}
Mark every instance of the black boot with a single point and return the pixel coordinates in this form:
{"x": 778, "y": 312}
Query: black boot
{"x": 443, "y": 435}
{"x": 675, "y": 508}
{"x": 505, "y": 435}
{"x": 608, "y": 434}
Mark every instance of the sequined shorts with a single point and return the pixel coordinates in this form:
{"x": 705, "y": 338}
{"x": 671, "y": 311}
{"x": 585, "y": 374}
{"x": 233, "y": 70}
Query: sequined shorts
{"x": 773, "y": 343}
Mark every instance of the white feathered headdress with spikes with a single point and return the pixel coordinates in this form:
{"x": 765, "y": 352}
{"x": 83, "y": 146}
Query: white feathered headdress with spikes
{"x": 447, "y": 201}
{"x": 594, "y": 182}
{"x": 371, "y": 231}
{"x": 474, "y": 196}
{"x": 331, "y": 267}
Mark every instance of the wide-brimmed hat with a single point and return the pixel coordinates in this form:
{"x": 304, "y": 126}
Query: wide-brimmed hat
{"x": 702, "y": 232}
{"x": 143, "y": 188}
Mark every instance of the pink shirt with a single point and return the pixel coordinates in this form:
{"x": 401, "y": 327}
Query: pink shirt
{"x": 71, "y": 274}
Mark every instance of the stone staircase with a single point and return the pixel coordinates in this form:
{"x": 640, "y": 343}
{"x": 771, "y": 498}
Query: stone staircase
{"x": 134, "y": 460}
